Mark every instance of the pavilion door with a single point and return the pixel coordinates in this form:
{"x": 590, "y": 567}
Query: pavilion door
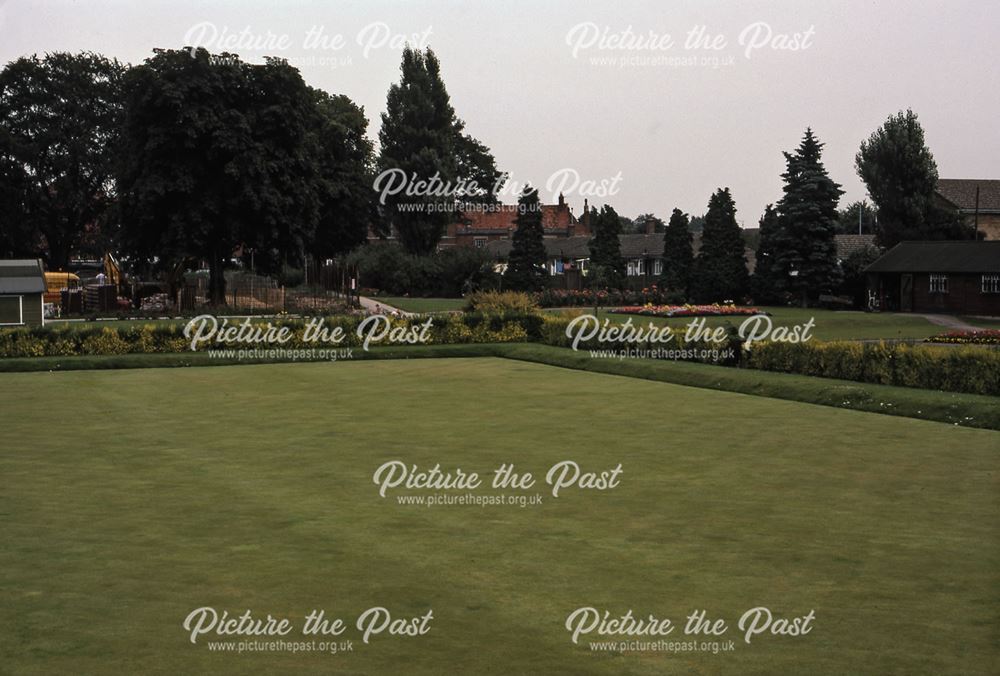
{"x": 906, "y": 293}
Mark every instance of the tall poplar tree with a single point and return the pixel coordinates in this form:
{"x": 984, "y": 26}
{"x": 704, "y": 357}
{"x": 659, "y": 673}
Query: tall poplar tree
{"x": 423, "y": 141}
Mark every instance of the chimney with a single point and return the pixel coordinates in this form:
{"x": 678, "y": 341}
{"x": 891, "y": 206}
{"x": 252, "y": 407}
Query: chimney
{"x": 562, "y": 200}
{"x": 650, "y": 225}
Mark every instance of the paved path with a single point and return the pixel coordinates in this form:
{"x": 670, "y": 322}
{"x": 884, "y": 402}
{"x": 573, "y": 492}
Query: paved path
{"x": 948, "y": 321}
{"x": 375, "y": 306}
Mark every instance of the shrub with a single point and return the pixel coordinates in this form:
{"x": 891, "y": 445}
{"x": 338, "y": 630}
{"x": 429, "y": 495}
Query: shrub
{"x": 501, "y": 303}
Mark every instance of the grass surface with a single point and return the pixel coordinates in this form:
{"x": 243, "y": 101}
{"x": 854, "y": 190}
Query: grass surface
{"x": 244, "y": 488}
{"x": 829, "y": 324}
{"x": 969, "y": 410}
{"x": 423, "y": 304}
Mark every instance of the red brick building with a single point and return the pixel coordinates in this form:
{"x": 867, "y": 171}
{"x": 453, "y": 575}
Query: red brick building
{"x": 498, "y": 222}
{"x": 961, "y": 277}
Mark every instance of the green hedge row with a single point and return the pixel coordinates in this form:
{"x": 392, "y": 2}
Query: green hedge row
{"x": 975, "y": 370}
{"x": 150, "y": 339}
{"x": 956, "y": 369}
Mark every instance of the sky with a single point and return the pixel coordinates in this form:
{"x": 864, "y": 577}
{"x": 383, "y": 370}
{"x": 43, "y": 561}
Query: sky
{"x": 646, "y": 106}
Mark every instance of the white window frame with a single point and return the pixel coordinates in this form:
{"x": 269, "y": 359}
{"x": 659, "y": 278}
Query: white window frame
{"x": 480, "y": 242}
{"x": 938, "y": 284}
{"x": 20, "y": 312}
{"x": 990, "y": 284}
{"x": 658, "y": 267}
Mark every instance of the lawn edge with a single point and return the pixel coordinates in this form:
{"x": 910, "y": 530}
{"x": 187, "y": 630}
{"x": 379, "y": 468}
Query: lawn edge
{"x": 967, "y": 410}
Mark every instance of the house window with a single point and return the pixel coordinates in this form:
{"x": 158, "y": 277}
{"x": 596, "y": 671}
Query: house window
{"x": 991, "y": 283}
{"x": 479, "y": 242}
{"x": 635, "y": 268}
{"x": 939, "y": 283}
{"x": 11, "y": 310}
{"x": 658, "y": 267}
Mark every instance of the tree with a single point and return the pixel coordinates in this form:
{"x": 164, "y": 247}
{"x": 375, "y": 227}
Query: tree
{"x": 347, "y": 199}
{"x": 59, "y": 120}
{"x": 901, "y": 176}
{"x": 720, "y": 268}
{"x": 678, "y": 257}
{"x": 607, "y": 264}
{"x": 855, "y": 213}
{"x": 805, "y": 251}
{"x": 526, "y": 269}
{"x": 218, "y": 153}
{"x": 423, "y": 142}
{"x": 639, "y": 225}
{"x": 766, "y": 287}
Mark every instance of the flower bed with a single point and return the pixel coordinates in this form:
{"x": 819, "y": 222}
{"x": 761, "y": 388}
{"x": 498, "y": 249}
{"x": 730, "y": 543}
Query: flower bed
{"x": 605, "y": 297}
{"x": 687, "y": 310}
{"x": 977, "y": 337}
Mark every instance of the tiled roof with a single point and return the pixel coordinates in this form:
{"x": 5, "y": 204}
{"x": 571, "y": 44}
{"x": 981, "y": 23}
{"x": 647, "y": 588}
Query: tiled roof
{"x": 21, "y": 276}
{"x": 851, "y": 244}
{"x": 957, "y": 256}
{"x": 962, "y": 193}
{"x": 502, "y": 218}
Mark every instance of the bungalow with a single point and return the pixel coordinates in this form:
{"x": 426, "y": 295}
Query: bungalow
{"x": 22, "y": 285}
{"x": 955, "y": 277}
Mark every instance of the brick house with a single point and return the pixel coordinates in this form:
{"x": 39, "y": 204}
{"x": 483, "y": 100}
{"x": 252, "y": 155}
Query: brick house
{"x": 977, "y": 200}
{"x": 956, "y": 277}
{"x": 498, "y": 222}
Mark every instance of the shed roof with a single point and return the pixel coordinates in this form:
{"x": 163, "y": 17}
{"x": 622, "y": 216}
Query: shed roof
{"x": 958, "y": 256}
{"x": 21, "y": 276}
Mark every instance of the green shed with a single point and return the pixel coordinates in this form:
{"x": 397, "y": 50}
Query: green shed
{"x": 22, "y": 287}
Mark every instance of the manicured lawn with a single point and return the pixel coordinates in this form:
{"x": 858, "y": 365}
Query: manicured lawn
{"x": 830, "y": 324}
{"x": 423, "y": 304}
{"x": 130, "y": 498}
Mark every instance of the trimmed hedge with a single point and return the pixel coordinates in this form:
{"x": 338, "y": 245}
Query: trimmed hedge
{"x": 954, "y": 369}
{"x": 153, "y": 339}
{"x": 974, "y": 370}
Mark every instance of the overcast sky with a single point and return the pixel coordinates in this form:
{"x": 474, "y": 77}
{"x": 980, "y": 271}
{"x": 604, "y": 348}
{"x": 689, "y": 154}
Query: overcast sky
{"x": 546, "y": 87}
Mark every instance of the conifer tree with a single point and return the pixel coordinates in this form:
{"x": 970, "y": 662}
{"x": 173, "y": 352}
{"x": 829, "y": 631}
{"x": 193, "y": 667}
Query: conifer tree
{"x": 805, "y": 249}
{"x": 765, "y": 286}
{"x": 526, "y": 269}
{"x": 678, "y": 258}
{"x": 720, "y": 268}
{"x": 607, "y": 264}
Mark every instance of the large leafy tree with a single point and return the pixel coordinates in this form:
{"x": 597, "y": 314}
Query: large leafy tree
{"x": 526, "y": 264}
{"x": 59, "y": 121}
{"x": 607, "y": 264}
{"x": 423, "y": 141}
{"x": 901, "y": 176}
{"x": 678, "y": 257}
{"x": 720, "y": 268}
{"x": 347, "y": 206}
{"x": 856, "y": 216}
{"x": 766, "y": 286}
{"x": 217, "y": 153}
{"x": 805, "y": 252}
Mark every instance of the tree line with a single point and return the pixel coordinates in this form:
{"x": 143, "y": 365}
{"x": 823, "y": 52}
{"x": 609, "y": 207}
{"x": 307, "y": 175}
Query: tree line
{"x": 796, "y": 255}
{"x": 190, "y": 156}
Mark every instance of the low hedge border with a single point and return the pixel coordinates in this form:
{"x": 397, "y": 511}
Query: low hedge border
{"x": 969, "y": 369}
{"x": 967, "y": 410}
